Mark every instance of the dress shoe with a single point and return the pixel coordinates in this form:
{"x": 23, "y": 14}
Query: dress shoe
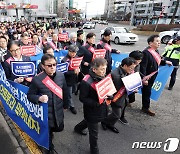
{"x": 170, "y": 88}
{"x": 123, "y": 121}
{"x": 103, "y": 126}
{"x": 73, "y": 110}
{"x": 113, "y": 129}
{"x": 81, "y": 132}
{"x": 149, "y": 112}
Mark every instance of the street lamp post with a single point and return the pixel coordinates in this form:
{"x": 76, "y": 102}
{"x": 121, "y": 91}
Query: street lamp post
{"x": 132, "y": 12}
{"x": 86, "y": 10}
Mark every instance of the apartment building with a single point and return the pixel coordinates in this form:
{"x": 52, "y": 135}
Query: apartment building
{"x": 146, "y": 11}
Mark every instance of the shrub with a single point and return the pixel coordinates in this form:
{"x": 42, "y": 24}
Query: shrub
{"x": 160, "y": 27}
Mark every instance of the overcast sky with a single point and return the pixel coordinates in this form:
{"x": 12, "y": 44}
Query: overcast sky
{"x": 94, "y": 7}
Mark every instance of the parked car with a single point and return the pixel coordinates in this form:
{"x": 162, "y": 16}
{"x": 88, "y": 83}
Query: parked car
{"x": 121, "y": 35}
{"x": 167, "y": 35}
{"x": 89, "y": 25}
{"x": 103, "y": 22}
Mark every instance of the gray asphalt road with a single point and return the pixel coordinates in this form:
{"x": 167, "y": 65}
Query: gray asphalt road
{"x": 141, "y": 128}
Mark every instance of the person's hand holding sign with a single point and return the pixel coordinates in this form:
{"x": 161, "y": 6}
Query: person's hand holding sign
{"x": 169, "y": 63}
{"x": 145, "y": 82}
{"x": 86, "y": 63}
{"x": 19, "y": 80}
{"x": 43, "y": 98}
{"x": 118, "y": 51}
{"x": 76, "y": 71}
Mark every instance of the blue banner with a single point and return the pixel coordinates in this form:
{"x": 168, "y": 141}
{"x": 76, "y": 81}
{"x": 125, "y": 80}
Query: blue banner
{"x": 160, "y": 82}
{"x": 37, "y": 58}
{"x": 117, "y": 58}
{"x": 31, "y": 118}
{"x": 23, "y": 68}
{"x": 59, "y": 55}
{"x": 38, "y": 50}
{"x": 63, "y": 67}
{"x": 161, "y": 79}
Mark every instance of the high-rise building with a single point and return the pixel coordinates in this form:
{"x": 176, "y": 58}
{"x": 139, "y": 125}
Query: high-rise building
{"x": 62, "y": 8}
{"x": 146, "y": 11}
{"x": 46, "y": 9}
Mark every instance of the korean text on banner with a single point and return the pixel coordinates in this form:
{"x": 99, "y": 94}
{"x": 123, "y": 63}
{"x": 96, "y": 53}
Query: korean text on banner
{"x": 117, "y": 58}
{"x": 75, "y": 62}
{"x": 63, "y": 67}
{"x": 29, "y": 50}
{"x": 99, "y": 53}
{"x": 63, "y": 37}
{"x": 23, "y": 68}
{"x": 105, "y": 88}
{"x": 31, "y": 118}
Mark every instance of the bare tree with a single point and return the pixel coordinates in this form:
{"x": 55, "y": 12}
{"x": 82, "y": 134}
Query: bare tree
{"x": 175, "y": 11}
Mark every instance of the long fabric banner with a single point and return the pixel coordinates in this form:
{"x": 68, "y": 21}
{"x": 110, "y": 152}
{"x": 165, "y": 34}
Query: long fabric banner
{"x": 31, "y": 118}
{"x": 161, "y": 79}
{"x": 117, "y": 58}
{"x": 59, "y": 55}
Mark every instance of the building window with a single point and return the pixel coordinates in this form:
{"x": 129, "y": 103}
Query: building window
{"x": 174, "y": 3}
{"x": 172, "y": 10}
{"x": 157, "y": 4}
{"x": 141, "y": 11}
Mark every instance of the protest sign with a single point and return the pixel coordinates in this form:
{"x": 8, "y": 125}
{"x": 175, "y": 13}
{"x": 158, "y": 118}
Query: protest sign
{"x": 163, "y": 74}
{"x": 75, "y": 62}
{"x": 23, "y": 68}
{"x": 99, "y": 53}
{"x": 132, "y": 82}
{"x": 29, "y": 50}
{"x": 105, "y": 88}
{"x": 63, "y": 67}
{"x": 63, "y": 37}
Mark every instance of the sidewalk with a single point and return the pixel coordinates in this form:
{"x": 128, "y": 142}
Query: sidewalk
{"x": 8, "y": 143}
{"x": 12, "y": 139}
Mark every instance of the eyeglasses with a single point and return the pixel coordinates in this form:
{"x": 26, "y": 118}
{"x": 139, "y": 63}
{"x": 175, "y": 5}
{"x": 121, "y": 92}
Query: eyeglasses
{"x": 51, "y": 65}
{"x": 15, "y": 50}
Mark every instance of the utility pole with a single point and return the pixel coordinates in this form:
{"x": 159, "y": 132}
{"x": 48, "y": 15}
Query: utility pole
{"x": 86, "y": 10}
{"x": 132, "y": 12}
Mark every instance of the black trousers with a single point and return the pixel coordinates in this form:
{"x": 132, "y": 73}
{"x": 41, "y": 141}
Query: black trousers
{"x": 131, "y": 97}
{"x": 146, "y": 93}
{"x": 51, "y": 146}
{"x": 173, "y": 77}
{"x": 93, "y": 134}
{"x": 114, "y": 116}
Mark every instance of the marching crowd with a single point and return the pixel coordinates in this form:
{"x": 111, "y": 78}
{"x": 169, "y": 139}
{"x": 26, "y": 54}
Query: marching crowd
{"x": 91, "y": 71}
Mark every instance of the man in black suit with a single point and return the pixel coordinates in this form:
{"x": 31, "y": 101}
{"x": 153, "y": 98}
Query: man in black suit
{"x": 149, "y": 65}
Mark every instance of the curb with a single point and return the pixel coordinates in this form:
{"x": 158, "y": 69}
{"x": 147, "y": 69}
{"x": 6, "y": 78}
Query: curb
{"x": 24, "y": 144}
{"x": 145, "y": 33}
{"x": 9, "y": 132}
